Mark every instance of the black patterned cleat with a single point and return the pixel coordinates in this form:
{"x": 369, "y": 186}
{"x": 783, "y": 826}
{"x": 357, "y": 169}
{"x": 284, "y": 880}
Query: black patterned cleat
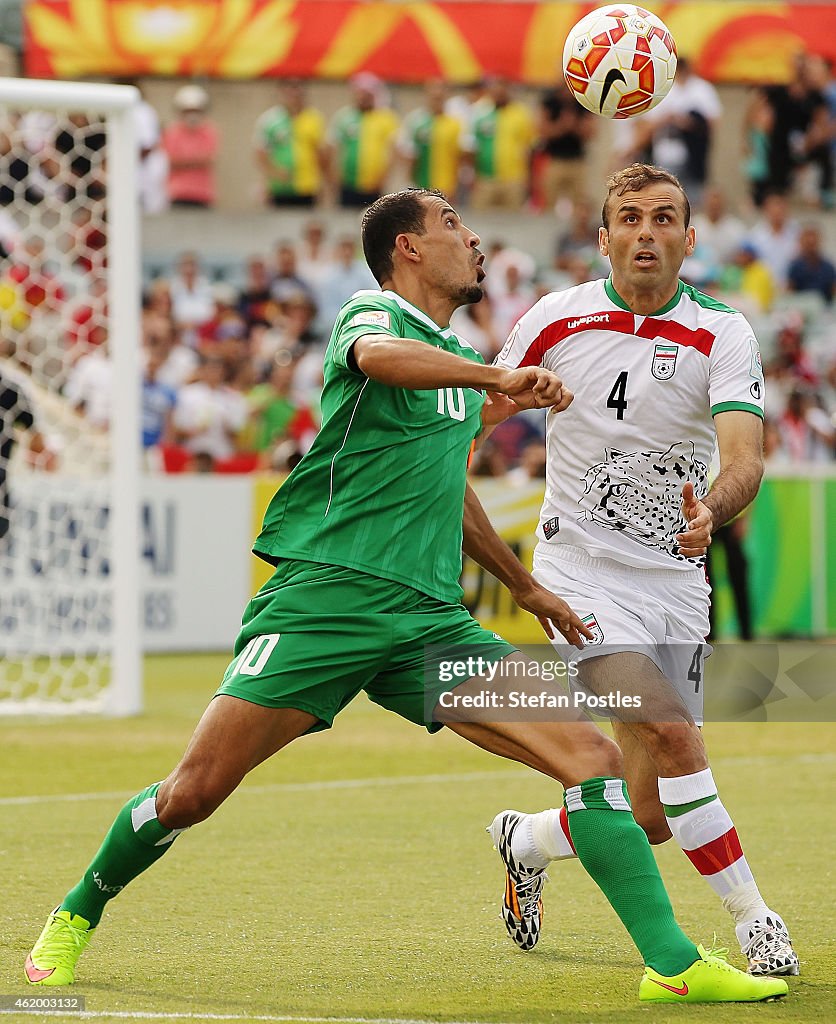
{"x": 767, "y": 946}
{"x": 522, "y": 906}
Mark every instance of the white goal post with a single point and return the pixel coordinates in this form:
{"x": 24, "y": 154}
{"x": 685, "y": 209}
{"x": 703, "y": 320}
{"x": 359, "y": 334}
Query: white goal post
{"x": 70, "y": 438}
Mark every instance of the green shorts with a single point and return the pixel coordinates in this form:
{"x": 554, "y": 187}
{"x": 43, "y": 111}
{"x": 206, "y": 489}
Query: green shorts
{"x": 316, "y": 635}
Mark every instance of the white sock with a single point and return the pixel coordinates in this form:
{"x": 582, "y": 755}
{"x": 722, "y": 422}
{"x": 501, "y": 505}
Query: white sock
{"x": 703, "y": 828}
{"x": 540, "y": 838}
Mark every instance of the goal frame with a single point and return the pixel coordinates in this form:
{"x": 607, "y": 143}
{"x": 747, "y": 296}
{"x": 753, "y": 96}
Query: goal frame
{"x": 116, "y": 103}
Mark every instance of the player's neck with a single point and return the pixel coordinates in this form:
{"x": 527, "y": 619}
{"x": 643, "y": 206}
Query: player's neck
{"x": 439, "y": 308}
{"x": 644, "y": 301}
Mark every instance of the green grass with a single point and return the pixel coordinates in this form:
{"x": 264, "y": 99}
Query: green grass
{"x": 379, "y": 899}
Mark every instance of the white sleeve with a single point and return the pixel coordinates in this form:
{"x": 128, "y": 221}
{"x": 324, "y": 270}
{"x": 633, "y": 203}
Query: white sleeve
{"x": 520, "y": 349}
{"x": 735, "y": 373}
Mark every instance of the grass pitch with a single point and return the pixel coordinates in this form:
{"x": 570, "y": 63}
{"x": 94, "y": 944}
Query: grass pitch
{"x": 351, "y": 878}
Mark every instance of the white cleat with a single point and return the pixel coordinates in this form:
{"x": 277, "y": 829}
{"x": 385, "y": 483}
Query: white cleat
{"x": 767, "y": 946}
{"x": 522, "y": 907}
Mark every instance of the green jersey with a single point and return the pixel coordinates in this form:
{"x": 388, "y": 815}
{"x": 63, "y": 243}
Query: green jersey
{"x": 382, "y": 488}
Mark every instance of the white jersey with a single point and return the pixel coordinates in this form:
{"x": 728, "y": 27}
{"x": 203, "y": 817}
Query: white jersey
{"x": 646, "y": 389}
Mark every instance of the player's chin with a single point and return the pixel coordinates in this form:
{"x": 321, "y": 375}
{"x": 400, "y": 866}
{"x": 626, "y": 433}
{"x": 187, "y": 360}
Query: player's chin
{"x": 472, "y": 293}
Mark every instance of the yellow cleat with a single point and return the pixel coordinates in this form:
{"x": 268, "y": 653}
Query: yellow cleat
{"x": 55, "y": 954}
{"x": 709, "y": 980}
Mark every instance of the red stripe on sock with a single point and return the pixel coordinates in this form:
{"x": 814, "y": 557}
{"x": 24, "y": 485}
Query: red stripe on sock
{"x": 718, "y": 854}
{"x": 564, "y": 824}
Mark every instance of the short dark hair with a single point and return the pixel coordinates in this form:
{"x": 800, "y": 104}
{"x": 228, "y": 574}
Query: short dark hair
{"x": 636, "y": 177}
{"x": 385, "y": 219}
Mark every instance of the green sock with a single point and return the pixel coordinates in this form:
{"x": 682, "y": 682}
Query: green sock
{"x": 616, "y": 854}
{"x": 135, "y": 840}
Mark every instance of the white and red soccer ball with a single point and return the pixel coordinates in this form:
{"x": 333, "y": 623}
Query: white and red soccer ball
{"x": 619, "y": 61}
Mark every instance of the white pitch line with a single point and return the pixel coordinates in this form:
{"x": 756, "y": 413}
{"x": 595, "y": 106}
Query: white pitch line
{"x": 277, "y": 1019}
{"x": 385, "y": 780}
{"x": 283, "y": 787}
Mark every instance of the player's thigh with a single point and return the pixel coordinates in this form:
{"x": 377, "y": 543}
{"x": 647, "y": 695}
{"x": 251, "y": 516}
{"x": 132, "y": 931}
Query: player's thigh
{"x": 449, "y": 670}
{"x": 433, "y": 650}
{"x": 315, "y": 663}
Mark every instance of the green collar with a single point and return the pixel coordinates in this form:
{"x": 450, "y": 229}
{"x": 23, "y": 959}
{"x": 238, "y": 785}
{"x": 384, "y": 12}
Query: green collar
{"x": 613, "y": 296}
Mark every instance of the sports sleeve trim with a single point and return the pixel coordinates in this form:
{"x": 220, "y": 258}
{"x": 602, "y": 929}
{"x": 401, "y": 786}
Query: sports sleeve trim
{"x": 736, "y": 407}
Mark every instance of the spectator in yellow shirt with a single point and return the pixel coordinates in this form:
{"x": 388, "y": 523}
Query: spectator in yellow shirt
{"x": 502, "y": 134}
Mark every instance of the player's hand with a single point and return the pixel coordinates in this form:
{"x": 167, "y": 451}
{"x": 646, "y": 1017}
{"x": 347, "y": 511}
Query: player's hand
{"x": 551, "y": 611}
{"x": 532, "y": 387}
{"x": 694, "y": 542}
{"x": 497, "y": 409}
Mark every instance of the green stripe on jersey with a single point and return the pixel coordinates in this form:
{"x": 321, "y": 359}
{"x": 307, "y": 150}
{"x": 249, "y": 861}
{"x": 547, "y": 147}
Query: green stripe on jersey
{"x": 382, "y": 488}
{"x": 736, "y": 407}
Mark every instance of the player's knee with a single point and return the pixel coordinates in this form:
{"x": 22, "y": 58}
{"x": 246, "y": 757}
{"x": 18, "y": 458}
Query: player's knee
{"x": 186, "y": 802}
{"x": 602, "y": 756}
{"x": 676, "y": 738}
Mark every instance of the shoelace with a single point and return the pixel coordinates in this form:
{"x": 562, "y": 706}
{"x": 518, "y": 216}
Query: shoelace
{"x": 64, "y": 940}
{"x": 528, "y": 893}
{"x": 763, "y": 943}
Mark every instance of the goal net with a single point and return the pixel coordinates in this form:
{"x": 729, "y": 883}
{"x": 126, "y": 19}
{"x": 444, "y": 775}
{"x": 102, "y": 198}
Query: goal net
{"x": 69, "y": 399}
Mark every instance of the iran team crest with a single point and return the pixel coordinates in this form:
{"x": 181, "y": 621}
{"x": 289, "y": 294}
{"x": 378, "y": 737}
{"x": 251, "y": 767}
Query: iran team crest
{"x": 591, "y": 624}
{"x": 664, "y": 361}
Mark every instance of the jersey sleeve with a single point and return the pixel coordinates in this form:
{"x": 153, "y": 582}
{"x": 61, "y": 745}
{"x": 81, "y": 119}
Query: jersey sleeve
{"x": 520, "y": 348}
{"x": 364, "y": 313}
{"x": 735, "y": 373}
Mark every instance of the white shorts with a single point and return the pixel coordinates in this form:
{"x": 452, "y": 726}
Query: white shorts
{"x": 662, "y": 613}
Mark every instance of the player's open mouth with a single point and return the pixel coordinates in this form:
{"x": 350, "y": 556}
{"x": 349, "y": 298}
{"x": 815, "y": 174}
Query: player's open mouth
{"x": 645, "y": 258}
{"x": 480, "y": 270}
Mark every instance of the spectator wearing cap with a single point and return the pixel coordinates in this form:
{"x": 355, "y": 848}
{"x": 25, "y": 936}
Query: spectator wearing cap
{"x": 362, "y": 141}
{"x": 290, "y": 149}
{"x": 191, "y": 144}
{"x": 811, "y": 270}
{"x": 503, "y": 132}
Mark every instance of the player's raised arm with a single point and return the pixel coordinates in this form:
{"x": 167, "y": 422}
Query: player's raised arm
{"x": 484, "y": 545}
{"x": 408, "y": 363}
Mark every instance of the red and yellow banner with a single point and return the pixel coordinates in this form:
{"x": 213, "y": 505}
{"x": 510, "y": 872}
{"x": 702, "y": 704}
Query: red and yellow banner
{"x": 728, "y": 41}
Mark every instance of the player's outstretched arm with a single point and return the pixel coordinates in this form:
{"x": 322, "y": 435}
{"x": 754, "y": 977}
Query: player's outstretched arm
{"x": 484, "y": 545}
{"x": 408, "y": 363}
{"x": 740, "y": 442}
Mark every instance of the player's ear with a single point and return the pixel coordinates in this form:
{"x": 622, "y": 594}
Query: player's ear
{"x": 603, "y": 241}
{"x": 690, "y": 240}
{"x": 404, "y": 245}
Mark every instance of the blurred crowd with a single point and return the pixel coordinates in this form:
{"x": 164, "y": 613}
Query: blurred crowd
{"x": 232, "y": 360}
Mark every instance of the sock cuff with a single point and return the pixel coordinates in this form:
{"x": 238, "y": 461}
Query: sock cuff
{"x": 601, "y": 794}
{"x": 144, "y": 819}
{"x": 685, "y": 788}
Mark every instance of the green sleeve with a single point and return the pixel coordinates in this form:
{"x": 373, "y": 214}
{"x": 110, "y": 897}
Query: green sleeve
{"x": 367, "y": 313}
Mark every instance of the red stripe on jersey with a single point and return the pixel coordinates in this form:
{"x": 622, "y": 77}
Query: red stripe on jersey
{"x": 550, "y": 336}
{"x": 701, "y": 339}
{"x": 718, "y": 854}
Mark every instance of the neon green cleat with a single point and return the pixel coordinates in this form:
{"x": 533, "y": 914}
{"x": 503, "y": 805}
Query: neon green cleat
{"x": 55, "y": 954}
{"x": 709, "y": 980}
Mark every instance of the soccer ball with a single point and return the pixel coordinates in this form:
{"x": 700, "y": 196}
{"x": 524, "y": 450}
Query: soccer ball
{"x": 619, "y": 61}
